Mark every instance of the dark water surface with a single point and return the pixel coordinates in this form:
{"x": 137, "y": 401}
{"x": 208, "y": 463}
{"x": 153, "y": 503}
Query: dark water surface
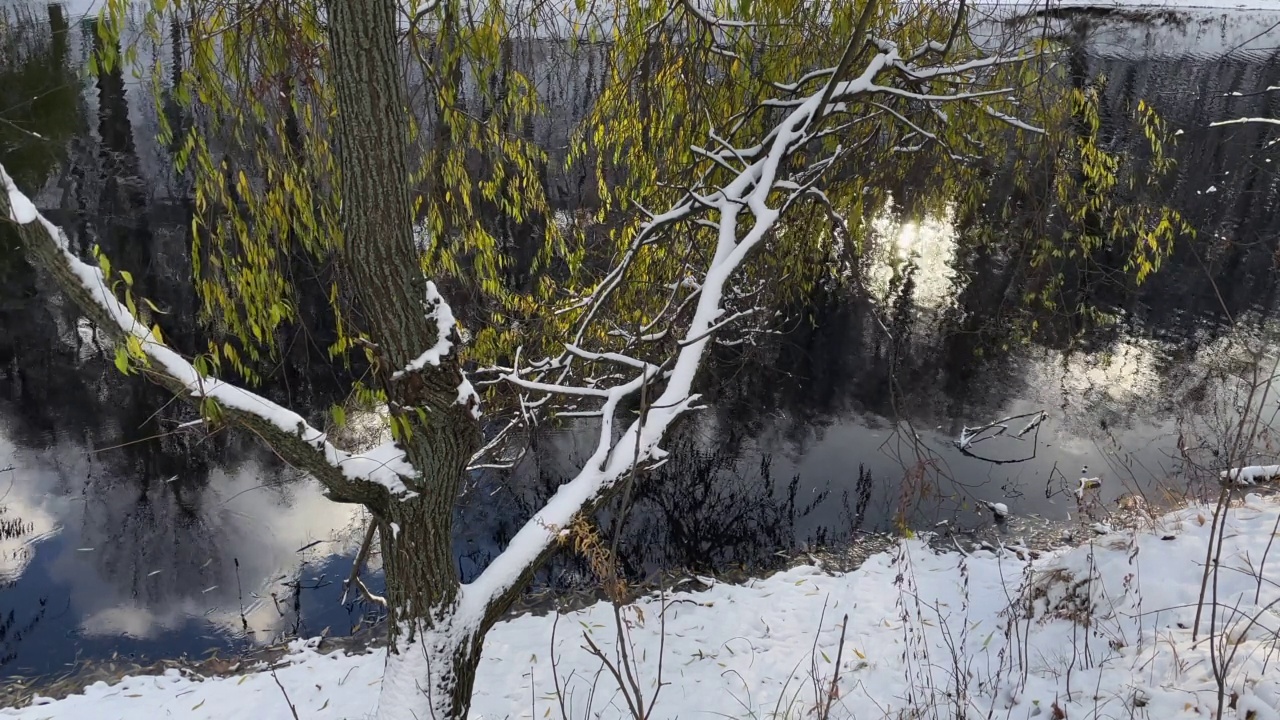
{"x": 122, "y": 532}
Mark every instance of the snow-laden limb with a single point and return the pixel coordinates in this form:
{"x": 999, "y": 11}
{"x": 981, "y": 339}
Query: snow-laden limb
{"x": 741, "y": 213}
{"x": 1251, "y": 475}
{"x": 349, "y": 476}
{"x": 1012, "y": 120}
{"x": 1243, "y": 120}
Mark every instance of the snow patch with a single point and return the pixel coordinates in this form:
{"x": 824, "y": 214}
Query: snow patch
{"x": 998, "y": 509}
{"x": 440, "y": 311}
{"x": 468, "y": 397}
{"x": 743, "y": 650}
{"x": 1250, "y": 475}
{"x": 21, "y": 209}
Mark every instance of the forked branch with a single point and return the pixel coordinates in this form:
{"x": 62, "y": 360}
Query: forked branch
{"x": 744, "y": 212}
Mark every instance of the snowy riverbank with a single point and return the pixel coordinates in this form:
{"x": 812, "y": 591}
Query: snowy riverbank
{"x": 917, "y": 619}
{"x": 1171, "y": 4}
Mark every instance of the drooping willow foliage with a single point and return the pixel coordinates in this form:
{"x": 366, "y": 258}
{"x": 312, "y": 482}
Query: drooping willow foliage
{"x": 1086, "y": 209}
{"x": 654, "y": 121}
{"x": 241, "y": 93}
{"x": 244, "y": 104}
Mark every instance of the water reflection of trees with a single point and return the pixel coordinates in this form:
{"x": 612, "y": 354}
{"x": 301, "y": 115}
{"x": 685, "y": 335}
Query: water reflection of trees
{"x": 175, "y": 518}
{"x": 39, "y": 114}
{"x": 39, "y": 93}
{"x": 709, "y": 509}
{"x": 961, "y": 363}
{"x": 895, "y": 357}
{"x": 15, "y": 534}
{"x": 62, "y": 392}
{"x": 891, "y": 359}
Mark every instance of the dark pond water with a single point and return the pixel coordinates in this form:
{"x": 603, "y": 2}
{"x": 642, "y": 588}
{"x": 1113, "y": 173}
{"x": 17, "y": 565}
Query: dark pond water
{"x": 122, "y": 532}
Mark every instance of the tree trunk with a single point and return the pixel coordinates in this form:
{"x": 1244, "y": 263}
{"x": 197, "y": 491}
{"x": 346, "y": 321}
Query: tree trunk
{"x": 431, "y": 660}
{"x": 372, "y": 139}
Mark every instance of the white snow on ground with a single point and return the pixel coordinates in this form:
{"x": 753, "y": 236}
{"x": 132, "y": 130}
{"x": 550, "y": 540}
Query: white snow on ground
{"x": 1134, "y": 4}
{"x": 1252, "y": 474}
{"x": 749, "y": 651}
{"x": 1173, "y": 4}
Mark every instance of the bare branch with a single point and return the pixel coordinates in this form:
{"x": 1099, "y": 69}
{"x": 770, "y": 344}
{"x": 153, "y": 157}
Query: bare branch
{"x": 720, "y": 325}
{"x": 361, "y": 557}
{"x": 851, "y": 51}
{"x": 889, "y": 90}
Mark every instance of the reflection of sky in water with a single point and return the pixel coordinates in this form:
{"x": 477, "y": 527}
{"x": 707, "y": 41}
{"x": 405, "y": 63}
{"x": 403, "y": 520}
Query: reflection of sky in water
{"x": 1118, "y": 411}
{"x": 1127, "y": 369}
{"x": 140, "y": 556}
{"x": 928, "y": 243}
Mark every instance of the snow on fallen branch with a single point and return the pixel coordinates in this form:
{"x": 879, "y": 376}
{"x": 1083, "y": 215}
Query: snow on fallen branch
{"x": 384, "y": 465}
{"x": 743, "y": 220}
{"x": 1250, "y": 475}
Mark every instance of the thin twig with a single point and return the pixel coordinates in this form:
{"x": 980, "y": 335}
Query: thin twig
{"x": 361, "y": 557}
{"x": 292, "y": 710}
{"x": 824, "y": 712}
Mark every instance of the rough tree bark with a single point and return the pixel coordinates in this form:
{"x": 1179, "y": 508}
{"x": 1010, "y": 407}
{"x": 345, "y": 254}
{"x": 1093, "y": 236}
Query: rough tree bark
{"x": 431, "y": 664}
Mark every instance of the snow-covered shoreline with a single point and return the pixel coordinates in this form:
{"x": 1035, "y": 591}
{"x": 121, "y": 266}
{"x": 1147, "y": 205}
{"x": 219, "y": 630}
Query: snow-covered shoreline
{"x": 1140, "y": 6}
{"x": 917, "y": 619}
{"x": 1171, "y": 4}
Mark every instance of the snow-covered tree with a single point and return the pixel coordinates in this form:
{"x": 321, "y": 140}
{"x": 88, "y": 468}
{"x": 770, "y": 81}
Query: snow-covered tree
{"x": 750, "y": 160}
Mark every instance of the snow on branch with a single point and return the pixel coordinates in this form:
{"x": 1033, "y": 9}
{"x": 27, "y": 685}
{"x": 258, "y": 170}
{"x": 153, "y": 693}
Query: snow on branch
{"x": 709, "y": 18}
{"x": 1251, "y": 475}
{"x": 439, "y": 312}
{"x": 1243, "y": 120}
{"x": 1009, "y": 119}
{"x": 442, "y": 314}
{"x": 348, "y": 476}
{"x": 743, "y": 218}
